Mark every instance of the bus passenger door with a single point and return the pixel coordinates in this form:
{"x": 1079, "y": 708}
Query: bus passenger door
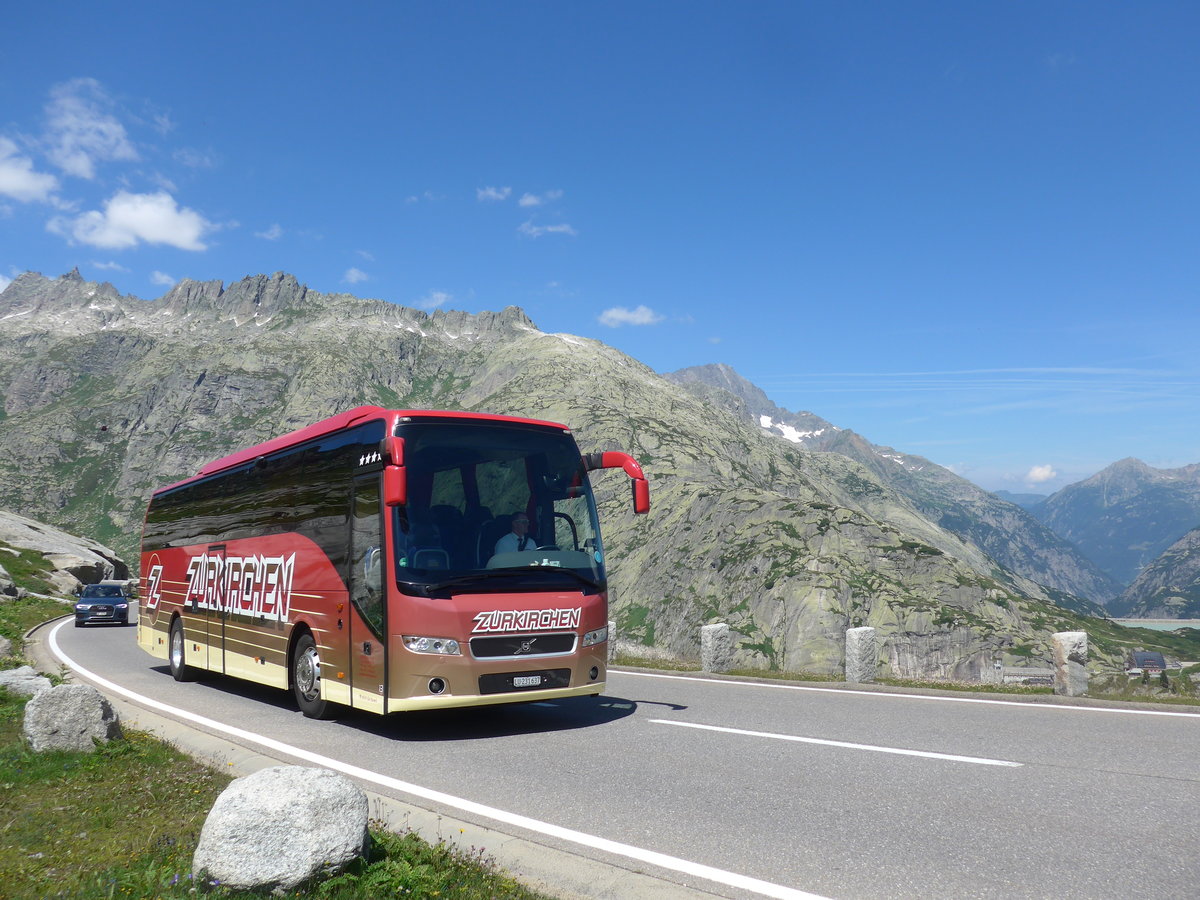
{"x": 368, "y": 661}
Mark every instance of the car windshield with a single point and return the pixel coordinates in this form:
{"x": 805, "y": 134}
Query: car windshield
{"x": 495, "y": 507}
{"x": 94, "y": 591}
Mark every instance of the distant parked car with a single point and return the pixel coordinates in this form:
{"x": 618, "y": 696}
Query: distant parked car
{"x": 103, "y": 602}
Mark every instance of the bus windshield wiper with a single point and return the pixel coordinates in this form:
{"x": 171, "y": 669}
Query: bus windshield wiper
{"x": 491, "y": 574}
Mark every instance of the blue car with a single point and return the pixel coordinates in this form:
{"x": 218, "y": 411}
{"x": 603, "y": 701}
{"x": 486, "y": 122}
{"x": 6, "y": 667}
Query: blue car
{"x": 104, "y": 602}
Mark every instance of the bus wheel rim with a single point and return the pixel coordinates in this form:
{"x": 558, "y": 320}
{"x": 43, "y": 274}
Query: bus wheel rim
{"x": 308, "y": 678}
{"x": 177, "y": 647}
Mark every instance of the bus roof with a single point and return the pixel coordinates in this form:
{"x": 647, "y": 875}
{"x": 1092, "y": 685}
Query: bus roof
{"x": 345, "y": 420}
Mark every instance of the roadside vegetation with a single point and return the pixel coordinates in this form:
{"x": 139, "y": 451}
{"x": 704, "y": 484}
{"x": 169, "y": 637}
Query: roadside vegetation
{"x": 124, "y": 821}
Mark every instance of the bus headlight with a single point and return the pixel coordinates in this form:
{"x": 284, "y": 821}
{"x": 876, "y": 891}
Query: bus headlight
{"x": 599, "y": 636}
{"x": 441, "y": 646}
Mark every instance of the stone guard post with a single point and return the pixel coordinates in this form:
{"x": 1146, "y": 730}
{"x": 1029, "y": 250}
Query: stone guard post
{"x": 862, "y": 655}
{"x": 716, "y": 648}
{"x": 1070, "y": 663}
{"x": 612, "y": 640}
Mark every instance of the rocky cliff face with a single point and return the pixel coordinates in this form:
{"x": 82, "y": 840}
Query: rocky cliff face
{"x": 106, "y": 397}
{"x": 1169, "y": 588}
{"x": 1007, "y": 533}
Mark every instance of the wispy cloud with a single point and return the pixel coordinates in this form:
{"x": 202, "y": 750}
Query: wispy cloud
{"x": 536, "y": 231}
{"x": 109, "y": 266}
{"x": 274, "y": 233}
{"x": 81, "y": 131}
{"x": 492, "y": 194}
{"x": 434, "y": 299}
{"x": 539, "y": 199}
{"x": 369, "y": 257}
{"x": 163, "y": 279}
{"x": 5, "y": 281}
{"x": 129, "y": 219}
{"x": 354, "y": 276}
{"x": 194, "y": 159}
{"x": 620, "y": 315}
{"x": 18, "y": 180}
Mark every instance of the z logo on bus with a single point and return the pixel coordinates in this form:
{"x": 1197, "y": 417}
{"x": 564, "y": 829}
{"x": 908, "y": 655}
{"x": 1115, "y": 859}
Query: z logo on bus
{"x": 154, "y": 587}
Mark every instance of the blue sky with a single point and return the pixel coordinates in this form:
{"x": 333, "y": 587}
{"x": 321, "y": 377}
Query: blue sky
{"x": 965, "y": 230}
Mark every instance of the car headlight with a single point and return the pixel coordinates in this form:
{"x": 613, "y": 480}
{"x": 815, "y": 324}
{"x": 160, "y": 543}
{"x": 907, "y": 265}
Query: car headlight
{"x": 81, "y": 607}
{"x": 599, "y": 636}
{"x": 436, "y": 645}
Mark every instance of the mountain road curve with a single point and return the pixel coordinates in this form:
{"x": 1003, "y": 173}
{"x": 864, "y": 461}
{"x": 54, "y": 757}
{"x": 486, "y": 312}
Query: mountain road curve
{"x": 734, "y": 788}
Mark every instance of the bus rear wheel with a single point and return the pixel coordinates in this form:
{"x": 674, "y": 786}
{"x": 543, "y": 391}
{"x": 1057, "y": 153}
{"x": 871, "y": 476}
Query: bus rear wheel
{"x": 306, "y": 679}
{"x": 177, "y": 654}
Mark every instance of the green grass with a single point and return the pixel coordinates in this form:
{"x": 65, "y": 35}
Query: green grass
{"x": 124, "y": 822}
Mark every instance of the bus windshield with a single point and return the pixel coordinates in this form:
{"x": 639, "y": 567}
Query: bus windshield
{"x": 495, "y": 507}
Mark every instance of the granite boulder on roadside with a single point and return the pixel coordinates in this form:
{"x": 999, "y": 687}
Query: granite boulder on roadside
{"x": 23, "y": 681}
{"x": 70, "y": 717}
{"x": 280, "y": 827}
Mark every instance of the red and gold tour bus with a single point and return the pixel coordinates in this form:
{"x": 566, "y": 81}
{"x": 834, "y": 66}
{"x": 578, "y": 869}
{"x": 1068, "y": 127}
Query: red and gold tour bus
{"x": 372, "y": 560}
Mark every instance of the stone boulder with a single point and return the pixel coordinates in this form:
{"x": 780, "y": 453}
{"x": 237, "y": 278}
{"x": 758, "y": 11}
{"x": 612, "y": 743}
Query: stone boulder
{"x": 8, "y": 588}
{"x": 6, "y": 648}
{"x": 70, "y": 717}
{"x": 24, "y": 681}
{"x": 75, "y": 560}
{"x": 279, "y": 827}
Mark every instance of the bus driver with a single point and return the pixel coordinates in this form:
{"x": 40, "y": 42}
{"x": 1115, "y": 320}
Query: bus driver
{"x": 518, "y": 539}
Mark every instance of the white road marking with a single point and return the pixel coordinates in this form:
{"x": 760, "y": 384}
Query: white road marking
{"x": 1055, "y": 707}
{"x": 977, "y": 760}
{"x": 675, "y": 864}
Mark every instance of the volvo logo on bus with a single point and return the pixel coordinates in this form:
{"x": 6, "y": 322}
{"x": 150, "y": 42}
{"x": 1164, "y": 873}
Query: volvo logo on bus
{"x": 526, "y": 647}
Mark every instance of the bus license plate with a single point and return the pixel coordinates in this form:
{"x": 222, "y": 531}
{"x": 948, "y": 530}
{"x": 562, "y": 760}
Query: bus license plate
{"x": 527, "y": 680}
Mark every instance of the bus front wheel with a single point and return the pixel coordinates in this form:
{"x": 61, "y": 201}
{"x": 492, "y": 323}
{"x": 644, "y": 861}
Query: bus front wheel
{"x": 177, "y": 655}
{"x": 306, "y": 679}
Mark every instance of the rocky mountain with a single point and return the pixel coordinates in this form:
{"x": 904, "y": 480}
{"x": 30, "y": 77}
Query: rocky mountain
{"x": 106, "y": 396}
{"x": 1007, "y": 533}
{"x": 1126, "y": 515}
{"x": 65, "y": 561}
{"x": 1169, "y": 588}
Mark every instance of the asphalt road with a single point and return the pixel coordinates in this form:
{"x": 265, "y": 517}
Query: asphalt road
{"x": 749, "y": 789}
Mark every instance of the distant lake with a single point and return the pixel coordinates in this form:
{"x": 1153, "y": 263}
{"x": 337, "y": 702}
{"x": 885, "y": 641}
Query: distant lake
{"x": 1159, "y": 624}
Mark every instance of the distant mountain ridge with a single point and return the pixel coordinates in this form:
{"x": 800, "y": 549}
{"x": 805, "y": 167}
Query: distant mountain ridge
{"x": 1169, "y": 588}
{"x": 1126, "y": 515}
{"x": 107, "y": 396}
{"x": 1008, "y": 533}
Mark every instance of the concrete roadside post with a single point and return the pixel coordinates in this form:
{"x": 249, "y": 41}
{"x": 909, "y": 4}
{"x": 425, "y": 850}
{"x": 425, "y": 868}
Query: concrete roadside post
{"x": 862, "y": 655}
{"x": 716, "y": 648}
{"x": 1070, "y": 663}
{"x": 612, "y": 641}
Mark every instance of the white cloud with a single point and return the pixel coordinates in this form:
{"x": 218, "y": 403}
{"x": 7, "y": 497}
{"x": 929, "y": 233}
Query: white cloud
{"x": 1040, "y": 474}
{"x": 536, "y": 231}
{"x": 163, "y": 278}
{"x": 194, "y": 159}
{"x": 273, "y": 233}
{"x": 128, "y": 219}
{"x": 539, "y": 199}
{"x": 369, "y": 257}
{"x": 17, "y": 178}
{"x": 620, "y": 315}
{"x": 434, "y": 299}
{"x": 80, "y": 130}
{"x": 491, "y": 193}
{"x": 354, "y": 276}
{"x": 109, "y": 266}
